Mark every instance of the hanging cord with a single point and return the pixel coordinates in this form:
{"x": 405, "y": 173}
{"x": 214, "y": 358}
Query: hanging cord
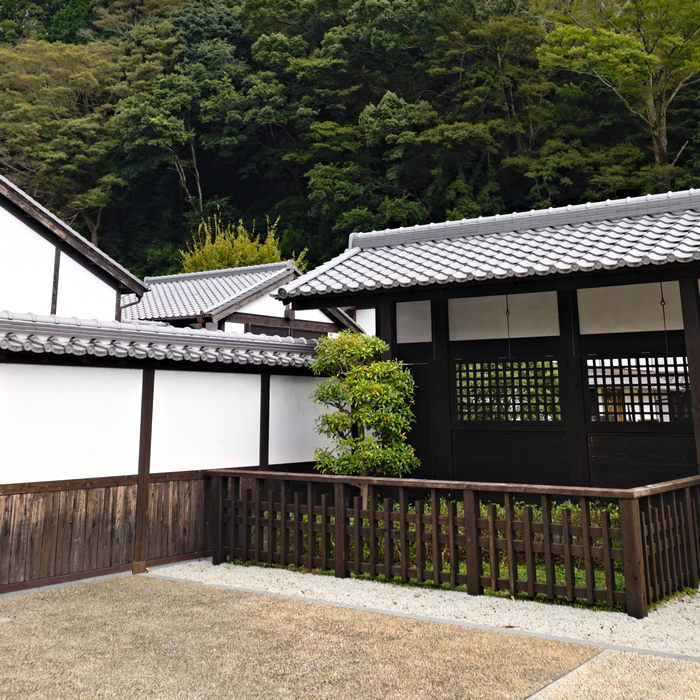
{"x": 662, "y": 303}
{"x": 510, "y": 355}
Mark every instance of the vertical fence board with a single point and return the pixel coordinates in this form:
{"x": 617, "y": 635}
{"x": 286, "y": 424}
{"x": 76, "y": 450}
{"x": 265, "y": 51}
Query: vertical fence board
{"x": 547, "y": 539}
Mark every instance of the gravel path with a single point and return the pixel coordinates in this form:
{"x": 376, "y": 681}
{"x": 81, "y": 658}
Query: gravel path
{"x": 673, "y": 628}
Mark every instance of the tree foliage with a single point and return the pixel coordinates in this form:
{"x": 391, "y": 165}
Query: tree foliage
{"x": 218, "y": 244}
{"x": 135, "y": 119}
{"x": 370, "y": 402}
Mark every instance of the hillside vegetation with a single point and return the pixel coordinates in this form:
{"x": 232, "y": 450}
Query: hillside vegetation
{"x": 136, "y": 119}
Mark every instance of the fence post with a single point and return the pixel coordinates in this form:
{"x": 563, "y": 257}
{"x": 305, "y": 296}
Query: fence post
{"x": 340, "y": 557}
{"x": 633, "y": 558}
{"x": 472, "y": 548}
{"x": 693, "y": 538}
{"x": 217, "y": 519}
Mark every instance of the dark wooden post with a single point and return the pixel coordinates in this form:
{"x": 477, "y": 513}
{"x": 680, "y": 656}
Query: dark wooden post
{"x": 633, "y": 558}
{"x": 386, "y": 327}
{"x": 264, "y": 458}
{"x": 572, "y": 385}
{"x": 441, "y": 395}
{"x": 690, "y": 303}
{"x": 340, "y": 554}
{"x": 217, "y": 520}
{"x": 140, "y": 554}
{"x": 472, "y": 547}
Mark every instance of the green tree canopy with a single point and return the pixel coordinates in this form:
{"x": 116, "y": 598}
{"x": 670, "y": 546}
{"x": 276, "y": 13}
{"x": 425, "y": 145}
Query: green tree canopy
{"x": 219, "y": 244}
{"x": 370, "y": 402}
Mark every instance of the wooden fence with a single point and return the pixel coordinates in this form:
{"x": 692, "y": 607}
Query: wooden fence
{"x": 622, "y": 546}
{"x": 64, "y": 530}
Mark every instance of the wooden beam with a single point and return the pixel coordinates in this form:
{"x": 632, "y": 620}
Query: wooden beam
{"x": 54, "y": 286}
{"x": 690, "y": 304}
{"x": 572, "y": 385}
{"x": 386, "y": 327}
{"x": 441, "y": 392}
{"x": 264, "y": 420}
{"x": 143, "y": 483}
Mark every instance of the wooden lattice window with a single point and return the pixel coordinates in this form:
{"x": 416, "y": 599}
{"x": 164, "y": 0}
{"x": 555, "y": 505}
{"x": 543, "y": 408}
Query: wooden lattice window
{"x": 507, "y": 391}
{"x": 639, "y": 389}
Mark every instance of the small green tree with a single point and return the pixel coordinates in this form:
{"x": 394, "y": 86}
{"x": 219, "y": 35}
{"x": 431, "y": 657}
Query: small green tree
{"x": 218, "y": 244}
{"x": 371, "y": 408}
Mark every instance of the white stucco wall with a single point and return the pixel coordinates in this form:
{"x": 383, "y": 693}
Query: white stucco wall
{"x": 312, "y": 315}
{"x": 68, "y": 422}
{"x": 629, "y": 308}
{"x": 480, "y": 318}
{"x": 205, "y": 420}
{"x": 293, "y": 436}
{"x": 26, "y": 267}
{"x": 82, "y": 294}
{"x": 413, "y": 322}
{"x": 234, "y": 327}
{"x": 268, "y": 306}
{"x": 263, "y": 306}
{"x": 367, "y": 320}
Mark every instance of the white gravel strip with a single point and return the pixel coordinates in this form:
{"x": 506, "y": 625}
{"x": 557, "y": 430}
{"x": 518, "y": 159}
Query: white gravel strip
{"x": 672, "y": 628}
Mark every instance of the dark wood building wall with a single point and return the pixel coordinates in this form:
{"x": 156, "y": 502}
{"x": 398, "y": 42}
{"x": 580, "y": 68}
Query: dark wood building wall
{"x": 592, "y": 436}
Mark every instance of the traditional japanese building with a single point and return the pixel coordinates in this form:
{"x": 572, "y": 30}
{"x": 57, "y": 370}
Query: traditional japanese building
{"x": 555, "y": 346}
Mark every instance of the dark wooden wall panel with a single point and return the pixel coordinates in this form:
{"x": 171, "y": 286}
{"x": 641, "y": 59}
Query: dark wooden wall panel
{"x": 525, "y": 457}
{"x": 621, "y": 460}
{"x": 58, "y": 533}
{"x": 52, "y": 531}
{"x": 176, "y": 515}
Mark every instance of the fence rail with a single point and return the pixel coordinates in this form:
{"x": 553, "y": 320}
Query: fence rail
{"x": 621, "y": 546}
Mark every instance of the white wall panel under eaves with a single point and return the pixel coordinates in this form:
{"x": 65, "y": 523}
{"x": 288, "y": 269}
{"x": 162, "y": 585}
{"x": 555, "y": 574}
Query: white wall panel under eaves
{"x": 26, "y": 267}
{"x": 60, "y": 422}
{"x": 630, "y": 308}
{"x": 293, "y": 414}
{"x": 82, "y": 294}
{"x": 533, "y": 315}
{"x": 205, "y": 420}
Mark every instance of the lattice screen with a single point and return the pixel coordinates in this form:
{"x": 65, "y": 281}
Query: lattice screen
{"x": 507, "y": 391}
{"x": 639, "y": 389}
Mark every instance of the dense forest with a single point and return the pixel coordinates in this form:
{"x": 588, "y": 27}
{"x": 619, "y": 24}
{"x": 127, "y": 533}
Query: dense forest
{"x": 135, "y": 119}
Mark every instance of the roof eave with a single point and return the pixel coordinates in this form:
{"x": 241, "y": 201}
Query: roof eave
{"x": 51, "y": 223}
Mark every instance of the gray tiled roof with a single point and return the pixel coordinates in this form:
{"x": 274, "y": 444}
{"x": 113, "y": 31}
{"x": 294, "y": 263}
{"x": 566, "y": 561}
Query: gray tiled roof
{"x": 215, "y": 293}
{"x": 147, "y": 340}
{"x": 655, "y": 229}
{"x": 61, "y": 230}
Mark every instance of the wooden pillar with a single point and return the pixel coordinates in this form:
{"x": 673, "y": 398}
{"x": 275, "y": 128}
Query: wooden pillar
{"x": 140, "y": 555}
{"x": 54, "y": 286}
{"x": 386, "y": 326}
{"x": 690, "y": 304}
{"x": 441, "y": 395}
{"x": 572, "y": 385}
{"x": 264, "y": 459}
{"x": 633, "y": 558}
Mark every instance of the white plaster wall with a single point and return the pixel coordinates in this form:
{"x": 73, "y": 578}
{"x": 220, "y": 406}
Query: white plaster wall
{"x": 293, "y": 436}
{"x": 68, "y": 422}
{"x": 26, "y": 267}
{"x": 480, "y": 318}
{"x": 413, "y": 322}
{"x": 629, "y": 308}
{"x": 82, "y": 294}
{"x": 312, "y": 315}
{"x": 205, "y": 420}
{"x": 268, "y": 306}
{"x": 264, "y": 306}
{"x": 234, "y": 327}
{"x": 367, "y": 320}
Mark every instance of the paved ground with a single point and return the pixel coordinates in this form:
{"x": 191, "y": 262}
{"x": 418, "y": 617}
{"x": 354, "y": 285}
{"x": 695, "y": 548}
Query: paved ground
{"x": 133, "y": 636}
